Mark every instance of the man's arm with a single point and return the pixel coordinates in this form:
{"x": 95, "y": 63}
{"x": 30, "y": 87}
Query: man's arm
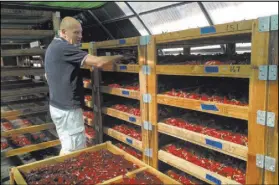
{"x": 100, "y": 61}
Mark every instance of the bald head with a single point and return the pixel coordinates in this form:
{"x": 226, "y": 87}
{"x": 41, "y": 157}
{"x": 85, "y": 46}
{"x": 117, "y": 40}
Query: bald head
{"x": 71, "y": 30}
{"x": 68, "y": 23}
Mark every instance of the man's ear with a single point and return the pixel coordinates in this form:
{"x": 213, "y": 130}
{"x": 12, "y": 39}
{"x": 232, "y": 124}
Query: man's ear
{"x": 62, "y": 32}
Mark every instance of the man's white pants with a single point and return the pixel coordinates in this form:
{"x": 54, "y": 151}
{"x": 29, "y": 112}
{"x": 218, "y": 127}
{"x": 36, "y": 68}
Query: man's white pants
{"x": 70, "y": 128}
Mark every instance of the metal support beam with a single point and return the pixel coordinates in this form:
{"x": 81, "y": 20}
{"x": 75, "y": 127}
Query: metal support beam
{"x": 100, "y": 23}
{"x": 209, "y": 19}
{"x": 143, "y": 13}
{"x": 138, "y": 17}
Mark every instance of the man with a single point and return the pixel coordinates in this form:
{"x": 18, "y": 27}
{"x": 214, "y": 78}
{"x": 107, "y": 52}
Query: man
{"x": 63, "y": 60}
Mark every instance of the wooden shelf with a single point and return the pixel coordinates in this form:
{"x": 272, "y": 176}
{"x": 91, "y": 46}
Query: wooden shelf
{"x": 30, "y": 129}
{"x": 194, "y": 170}
{"x": 124, "y": 138}
{"x": 234, "y": 111}
{"x": 87, "y": 86}
{"x": 130, "y": 68}
{"x": 119, "y": 43}
{"x": 233, "y": 71}
{"x": 216, "y": 144}
{"x": 122, "y": 115}
{"x": 121, "y": 92}
{"x": 31, "y": 148}
{"x": 23, "y": 91}
{"x": 22, "y": 52}
{"x": 25, "y": 112}
{"x": 21, "y": 71}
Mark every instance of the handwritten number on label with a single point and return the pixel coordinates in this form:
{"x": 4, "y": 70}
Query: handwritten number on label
{"x": 234, "y": 69}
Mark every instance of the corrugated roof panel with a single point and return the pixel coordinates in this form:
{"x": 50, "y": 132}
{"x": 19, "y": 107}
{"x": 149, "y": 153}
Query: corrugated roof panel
{"x": 146, "y": 6}
{"x": 173, "y": 19}
{"x": 138, "y": 26}
{"x": 125, "y": 8}
{"x": 222, "y": 12}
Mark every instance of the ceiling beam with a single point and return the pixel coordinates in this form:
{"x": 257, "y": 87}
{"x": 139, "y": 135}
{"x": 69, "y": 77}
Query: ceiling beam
{"x": 143, "y": 13}
{"x": 100, "y": 24}
{"x": 209, "y": 20}
{"x": 138, "y": 17}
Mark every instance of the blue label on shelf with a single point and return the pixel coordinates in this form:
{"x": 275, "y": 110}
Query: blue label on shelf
{"x": 214, "y": 143}
{"x": 213, "y": 179}
{"x": 123, "y": 67}
{"x": 207, "y": 30}
{"x": 126, "y": 93}
{"x": 122, "y": 41}
{"x": 132, "y": 119}
{"x": 130, "y": 141}
{"x": 211, "y": 69}
{"x": 209, "y": 107}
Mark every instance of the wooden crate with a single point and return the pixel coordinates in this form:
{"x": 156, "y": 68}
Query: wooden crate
{"x": 17, "y": 177}
{"x": 122, "y": 115}
{"x": 124, "y": 138}
{"x": 121, "y": 92}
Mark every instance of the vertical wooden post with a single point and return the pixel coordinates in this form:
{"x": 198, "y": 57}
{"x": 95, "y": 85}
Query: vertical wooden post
{"x": 230, "y": 48}
{"x": 186, "y": 51}
{"x": 142, "y": 52}
{"x": 152, "y": 107}
{"x": 56, "y": 22}
{"x": 272, "y": 106}
{"x": 257, "y": 101}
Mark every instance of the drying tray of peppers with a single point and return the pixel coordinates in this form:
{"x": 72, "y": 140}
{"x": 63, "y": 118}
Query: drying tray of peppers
{"x": 88, "y": 101}
{"x": 126, "y": 134}
{"x": 110, "y": 165}
{"x": 225, "y": 135}
{"x": 88, "y": 117}
{"x": 207, "y": 165}
{"x": 128, "y": 64}
{"x": 87, "y": 83}
{"x": 184, "y": 178}
{"x": 124, "y": 112}
{"x": 217, "y": 59}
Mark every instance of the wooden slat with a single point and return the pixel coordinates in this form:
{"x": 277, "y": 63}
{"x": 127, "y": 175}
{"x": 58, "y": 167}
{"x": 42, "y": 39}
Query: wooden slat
{"x": 85, "y": 45}
{"x": 31, "y": 148}
{"x": 130, "y": 68}
{"x": 31, "y": 129}
{"x": 11, "y": 115}
{"x": 123, "y": 138}
{"x": 257, "y": 101}
{"x": 19, "y": 32}
{"x": 17, "y": 177}
{"x": 235, "y": 28}
{"x": 23, "y": 91}
{"x": 22, "y": 52}
{"x": 21, "y": 72}
{"x": 272, "y": 106}
{"x": 127, "y": 42}
{"x": 192, "y": 169}
{"x": 234, "y": 111}
{"x": 234, "y": 71}
{"x": 121, "y": 92}
{"x": 122, "y": 115}
{"x": 228, "y": 148}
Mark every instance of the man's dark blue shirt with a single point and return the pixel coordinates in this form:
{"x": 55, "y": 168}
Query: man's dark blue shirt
{"x": 62, "y": 66}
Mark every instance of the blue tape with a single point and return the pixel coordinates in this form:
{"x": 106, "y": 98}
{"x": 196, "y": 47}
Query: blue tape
{"x": 130, "y": 141}
{"x": 209, "y": 107}
{"x": 123, "y": 67}
{"x": 211, "y": 69}
{"x": 207, "y": 30}
{"x": 122, "y": 41}
{"x": 132, "y": 119}
{"x": 214, "y": 143}
{"x": 125, "y": 92}
{"x": 213, "y": 179}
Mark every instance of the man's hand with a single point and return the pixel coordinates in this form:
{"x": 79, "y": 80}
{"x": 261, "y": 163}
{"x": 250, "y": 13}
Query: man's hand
{"x": 101, "y": 61}
{"x": 106, "y": 60}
